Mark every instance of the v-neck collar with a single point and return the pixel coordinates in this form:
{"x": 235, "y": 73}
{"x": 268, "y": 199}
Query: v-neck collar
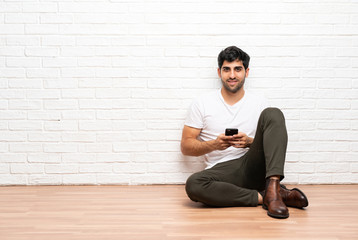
{"x": 236, "y": 105}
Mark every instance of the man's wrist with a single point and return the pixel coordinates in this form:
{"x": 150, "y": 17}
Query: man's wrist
{"x": 250, "y": 141}
{"x": 210, "y": 145}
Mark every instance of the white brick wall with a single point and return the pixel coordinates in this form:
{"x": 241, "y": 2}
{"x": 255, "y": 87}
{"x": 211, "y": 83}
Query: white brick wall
{"x": 95, "y": 92}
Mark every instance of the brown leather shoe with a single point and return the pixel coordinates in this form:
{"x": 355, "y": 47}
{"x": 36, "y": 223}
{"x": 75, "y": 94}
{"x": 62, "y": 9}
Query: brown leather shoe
{"x": 273, "y": 201}
{"x": 294, "y": 197}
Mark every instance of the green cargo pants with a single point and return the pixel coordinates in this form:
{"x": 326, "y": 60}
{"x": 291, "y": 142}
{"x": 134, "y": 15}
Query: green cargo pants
{"x": 237, "y": 182}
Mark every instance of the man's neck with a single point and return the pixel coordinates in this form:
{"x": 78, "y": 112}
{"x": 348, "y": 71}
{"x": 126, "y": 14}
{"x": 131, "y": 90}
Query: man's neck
{"x": 232, "y": 98}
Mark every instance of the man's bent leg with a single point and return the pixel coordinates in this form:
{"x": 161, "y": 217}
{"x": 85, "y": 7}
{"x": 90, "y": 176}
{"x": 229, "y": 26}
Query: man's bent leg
{"x": 266, "y": 156}
{"x": 214, "y": 187}
{"x": 271, "y": 138}
{"x": 270, "y": 143}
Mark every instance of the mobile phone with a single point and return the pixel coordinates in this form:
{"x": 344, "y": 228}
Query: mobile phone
{"x": 231, "y": 131}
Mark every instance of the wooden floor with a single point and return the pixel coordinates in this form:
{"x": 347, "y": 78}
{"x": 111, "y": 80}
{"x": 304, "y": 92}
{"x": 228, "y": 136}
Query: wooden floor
{"x": 164, "y": 212}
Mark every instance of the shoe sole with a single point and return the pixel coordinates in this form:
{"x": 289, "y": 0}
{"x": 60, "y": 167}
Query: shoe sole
{"x": 274, "y": 215}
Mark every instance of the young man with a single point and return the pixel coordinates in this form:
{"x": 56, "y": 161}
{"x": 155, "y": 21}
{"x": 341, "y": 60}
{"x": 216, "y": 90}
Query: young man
{"x": 244, "y": 169}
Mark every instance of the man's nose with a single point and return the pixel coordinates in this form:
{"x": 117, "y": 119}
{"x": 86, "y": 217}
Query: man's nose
{"x": 232, "y": 74}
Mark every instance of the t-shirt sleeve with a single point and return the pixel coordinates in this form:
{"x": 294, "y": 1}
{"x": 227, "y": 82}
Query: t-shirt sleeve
{"x": 194, "y": 116}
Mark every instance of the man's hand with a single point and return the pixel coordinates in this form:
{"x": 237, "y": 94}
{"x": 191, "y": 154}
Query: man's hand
{"x": 241, "y": 140}
{"x": 222, "y": 142}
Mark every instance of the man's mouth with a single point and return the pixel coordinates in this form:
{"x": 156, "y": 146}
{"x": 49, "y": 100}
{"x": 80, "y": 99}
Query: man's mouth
{"x": 232, "y": 82}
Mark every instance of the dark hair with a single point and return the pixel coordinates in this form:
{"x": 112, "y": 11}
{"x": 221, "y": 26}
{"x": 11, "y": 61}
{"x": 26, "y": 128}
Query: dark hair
{"x": 233, "y": 53}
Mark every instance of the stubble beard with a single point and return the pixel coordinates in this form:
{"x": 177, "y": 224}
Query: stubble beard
{"x": 236, "y": 88}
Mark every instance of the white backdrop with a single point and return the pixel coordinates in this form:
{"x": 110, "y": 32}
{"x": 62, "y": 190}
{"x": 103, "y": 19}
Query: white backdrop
{"x": 96, "y": 92}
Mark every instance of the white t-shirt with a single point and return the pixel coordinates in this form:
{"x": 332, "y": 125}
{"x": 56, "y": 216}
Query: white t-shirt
{"x": 213, "y": 115}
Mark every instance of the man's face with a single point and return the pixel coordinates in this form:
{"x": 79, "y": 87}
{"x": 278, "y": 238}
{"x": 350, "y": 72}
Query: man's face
{"x": 233, "y": 75}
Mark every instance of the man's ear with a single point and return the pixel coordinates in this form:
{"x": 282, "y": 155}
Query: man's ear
{"x": 247, "y": 72}
{"x": 219, "y": 73}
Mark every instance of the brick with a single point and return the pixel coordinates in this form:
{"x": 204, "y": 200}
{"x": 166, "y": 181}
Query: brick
{"x": 124, "y": 125}
{"x": 44, "y": 115}
{"x": 96, "y": 147}
{"x": 12, "y": 29}
{"x": 158, "y": 178}
{"x": 44, "y": 137}
{"x": 21, "y": 18}
{"x": 301, "y": 146}
{"x": 11, "y": 179}
{"x": 77, "y": 93}
{"x": 315, "y": 178}
{"x": 4, "y": 168}
{"x": 41, "y": 29}
{"x": 78, "y": 137}
{"x": 24, "y": 104}
{"x": 26, "y": 168}
{"x": 162, "y": 125}
{"x": 62, "y": 83}
{"x": 35, "y": 179}
{"x": 48, "y": 40}
{"x": 77, "y": 72}
{"x": 113, "y": 157}
{"x": 92, "y": 29}
{"x": 43, "y": 94}
{"x": 99, "y": 125}
{"x": 61, "y": 169}
{"x": 342, "y": 178}
{"x": 4, "y": 147}
{"x": 129, "y": 147}
{"x": 112, "y": 93}
{"x": 23, "y": 125}
{"x": 78, "y": 115}
{"x": 79, "y": 51}
{"x": 42, "y": 73}
{"x": 346, "y": 156}
{"x": 333, "y": 104}
{"x": 50, "y": 18}
{"x": 333, "y": 147}
{"x": 94, "y": 62}
{"x": 60, "y": 148}
{"x": 95, "y": 83}
{"x": 333, "y": 168}
{"x": 122, "y": 179}
{"x": 13, "y": 157}
{"x": 95, "y": 104}
{"x": 59, "y": 62}
{"x": 61, "y": 104}
{"x": 113, "y": 114}
{"x": 337, "y": 125}
{"x": 13, "y": 115}
{"x": 61, "y": 125}
{"x": 130, "y": 83}
{"x": 12, "y": 73}
{"x": 78, "y": 157}
{"x": 79, "y": 179}
{"x": 95, "y": 168}
{"x": 23, "y": 62}
{"x": 44, "y": 158}
{"x": 164, "y": 146}
{"x": 317, "y": 114}
{"x": 25, "y": 83}
{"x": 77, "y": 7}
{"x": 39, "y": 7}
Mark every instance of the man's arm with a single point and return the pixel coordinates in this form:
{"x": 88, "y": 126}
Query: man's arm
{"x": 191, "y": 146}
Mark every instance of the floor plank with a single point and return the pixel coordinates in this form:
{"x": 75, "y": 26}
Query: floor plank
{"x": 164, "y": 212}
